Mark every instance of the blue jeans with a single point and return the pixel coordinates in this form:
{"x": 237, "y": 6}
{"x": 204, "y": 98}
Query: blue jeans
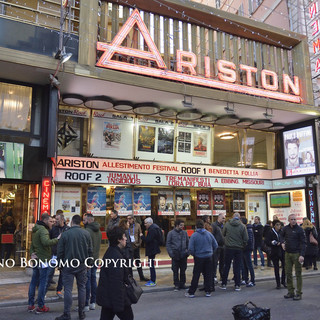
{"x": 91, "y": 286}
{"x": 152, "y": 268}
{"x": 39, "y": 277}
{"x": 255, "y": 256}
{"x": 247, "y": 267}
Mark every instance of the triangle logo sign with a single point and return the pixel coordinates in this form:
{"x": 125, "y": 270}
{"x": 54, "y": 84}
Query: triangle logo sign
{"x": 115, "y": 46}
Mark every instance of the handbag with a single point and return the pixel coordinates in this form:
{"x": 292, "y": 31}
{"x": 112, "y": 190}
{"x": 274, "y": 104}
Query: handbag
{"x": 134, "y": 291}
{"x": 246, "y": 312}
{"x": 312, "y": 239}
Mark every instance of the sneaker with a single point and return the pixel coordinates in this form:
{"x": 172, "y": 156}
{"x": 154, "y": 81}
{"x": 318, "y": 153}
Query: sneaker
{"x": 223, "y": 287}
{"x": 31, "y": 308}
{"x": 44, "y": 309}
{"x": 250, "y": 284}
{"x": 262, "y": 267}
{"x": 216, "y": 281}
{"x": 243, "y": 283}
{"x": 297, "y": 297}
{"x": 237, "y": 288}
{"x": 64, "y": 317}
{"x": 176, "y": 288}
{"x": 188, "y": 295}
{"x": 208, "y": 294}
{"x": 92, "y": 306}
{"x": 85, "y": 309}
{"x": 288, "y": 295}
{"x": 150, "y": 284}
{"x": 59, "y": 294}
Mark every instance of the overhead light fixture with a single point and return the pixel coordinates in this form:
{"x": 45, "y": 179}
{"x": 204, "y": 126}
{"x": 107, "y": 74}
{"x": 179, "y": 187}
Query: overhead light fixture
{"x": 187, "y": 101}
{"x": 123, "y": 106}
{"x": 260, "y": 165}
{"x": 261, "y": 124}
{"x": 62, "y": 56}
{"x": 277, "y": 126}
{"x": 228, "y": 120}
{"x": 191, "y": 114}
{"x": 146, "y": 108}
{"x": 245, "y": 122}
{"x": 167, "y": 113}
{"x": 73, "y": 99}
{"x": 99, "y": 102}
{"x": 226, "y": 136}
{"x": 229, "y": 108}
{"x": 208, "y": 118}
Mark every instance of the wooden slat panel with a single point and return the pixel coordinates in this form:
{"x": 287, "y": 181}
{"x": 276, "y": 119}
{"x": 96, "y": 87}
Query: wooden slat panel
{"x": 166, "y": 42}
{"x": 185, "y": 36}
{"x": 126, "y": 15}
{"x": 115, "y": 20}
{"x": 146, "y": 19}
{"x": 279, "y": 67}
{"x": 211, "y": 53}
{"x": 227, "y": 47}
{"x": 259, "y": 62}
{"x": 157, "y": 30}
{"x": 194, "y": 42}
{"x": 235, "y": 53}
{"x": 176, "y": 42}
{"x": 285, "y": 61}
{"x": 219, "y": 46}
{"x": 272, "y": 58}
{"x": 105, "y": 34}
{"x": 243, "y": 51}
{"x": 250, "y": 54}
{"x": 265, "y": 57}
{"x": 202, "y": 51}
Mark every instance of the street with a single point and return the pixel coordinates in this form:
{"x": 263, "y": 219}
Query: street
{"x": 174, "y": 305}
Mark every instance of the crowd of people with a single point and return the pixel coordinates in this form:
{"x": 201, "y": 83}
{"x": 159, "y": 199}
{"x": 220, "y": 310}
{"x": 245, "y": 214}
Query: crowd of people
{"x": 214, "y": 246}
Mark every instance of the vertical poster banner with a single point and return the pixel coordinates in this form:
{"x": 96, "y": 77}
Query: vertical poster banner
{"x": 46, "y": 191}
{"x": 97, "y": 199}
{"x": 200, "y": 144}
{"x": 219, "y": 202}
{"x": 247, "y": 151}
{"x": 147, "y": 137}
{"x": 203, "y": 203}
{"x": 165, "y": 140}
{"x": 182, "y": 203}
{"x": 123, "y": 201}
{"x": 142, "y": 202}
{"x": 165, "y": 203}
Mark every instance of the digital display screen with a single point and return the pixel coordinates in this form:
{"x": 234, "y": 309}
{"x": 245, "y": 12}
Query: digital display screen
{"x": 299, "y": 152}
{"x": 280, "y": 200}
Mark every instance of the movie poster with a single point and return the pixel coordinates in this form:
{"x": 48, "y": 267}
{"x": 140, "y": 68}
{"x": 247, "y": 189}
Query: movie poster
{"x": 142, "y": 202}
{"x": 165, "y": 203}
{"x": 123, "y": 201}
{"x": 182, "y": 203}
{"x": 218, "y": 202}
{"x": 247, "y": 149}
{"x": 203, "y": 203}
{"x": 184, "y": 142}
{"x": 165, "y": 140}
{"x": 238, "y": 202}
{"x": 147, "y": 136}
{"x": 97, "y": 199}
{"x": 111, "y": 135}
{"x": 200, "y": 141}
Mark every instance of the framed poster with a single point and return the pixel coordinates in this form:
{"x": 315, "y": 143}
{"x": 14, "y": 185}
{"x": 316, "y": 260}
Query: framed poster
{"x": 97, "y": 199}
{"x": 182, "y": 203}
{"x": 203, "y": 203}
{"x": 219, "y": 202}
{"x": 146, "y": 138}
{"x": 123, "y": 201}
{"x": 165, "y": 203}
{"x": 142, "y": 202}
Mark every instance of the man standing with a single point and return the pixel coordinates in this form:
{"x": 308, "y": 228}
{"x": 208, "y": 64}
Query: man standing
{"x": 258, "y": 237}
{"x": 152, "y": 241}
{"x": 235, "y": 239}
{"x": 294, "y": 243}
{"x": 41, "y": 250}
{"x": 177, "y": 247}
{"x": 93, "y": 228}
{"x": 74, "y": 248}
{"x": 114, "y": 220}
{"x": 217, "y": 227}
{"x": 202, "y": 246}
{"x": 134, "y": 233}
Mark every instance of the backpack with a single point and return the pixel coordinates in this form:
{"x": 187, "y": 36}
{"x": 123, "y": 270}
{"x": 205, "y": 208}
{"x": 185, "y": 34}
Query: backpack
{"x": 160, "y": 237}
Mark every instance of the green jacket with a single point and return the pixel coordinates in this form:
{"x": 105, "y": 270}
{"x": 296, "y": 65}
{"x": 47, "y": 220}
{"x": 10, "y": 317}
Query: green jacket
{"x": 41, "y": 243}
{"x": 235, "y": 234}
{"x": 95, "y": 234}
{"x": 75, "y": 243}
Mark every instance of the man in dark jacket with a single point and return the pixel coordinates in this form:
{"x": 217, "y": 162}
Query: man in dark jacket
{"x": 114, "y": 220}
{"x": 41, "y": 250}
{"x": 152, "y": 241}
{"x": 202, "y": 245}
{"x": 74, "y": 249}
{"x": 294, "y": 243}
{"x": 218, "y": 255}
{"x": 111, "y": 291}
{"x": 177, "y": 247}
{"x": 258, "y": 237}
{"x": 235, "y": 239}
{"x": 93, "y": 228}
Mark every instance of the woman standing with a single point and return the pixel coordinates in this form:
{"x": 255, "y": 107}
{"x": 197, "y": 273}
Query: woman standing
{"x": 111, "y": 291}
{"x": 128, "y": 251}
{"x": 312, "y": 248}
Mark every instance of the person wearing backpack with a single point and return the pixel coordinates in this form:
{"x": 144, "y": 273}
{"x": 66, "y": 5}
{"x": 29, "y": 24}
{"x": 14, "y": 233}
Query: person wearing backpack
{"x": 152, "y": 242}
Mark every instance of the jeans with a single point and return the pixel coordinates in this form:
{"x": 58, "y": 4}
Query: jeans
{"x": 60, "y": 283}
{"x": 136, "y": 256}
{"x": 91, "y": 286}
{"x": 201, "y": 265}
{"x": 255, "y": 256}
{"x": 50, "y": 277}
{"x": 152, "y": 268}
{"x": 292, "y": 259}
{"x": 40, "y": 279}
{"x": 275, "y": 260}
{"x": 247, "y": 267}
{"x": 236, "y": 256}
{"x": 175, "y": 266}
{"x": 68, "y": 275}
{"x": 218, "y": 256}
{"x": 108, "y": 314}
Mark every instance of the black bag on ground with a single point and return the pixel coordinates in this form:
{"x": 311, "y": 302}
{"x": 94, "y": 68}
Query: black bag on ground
{"x": 134, "y": 291}
{"x": 244, "y": 312}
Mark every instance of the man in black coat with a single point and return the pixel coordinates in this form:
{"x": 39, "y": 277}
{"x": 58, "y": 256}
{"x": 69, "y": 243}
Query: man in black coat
{"x": 258, "y": 236}
{"x": 111, "y": 291}
{"x": 152, "y": 241}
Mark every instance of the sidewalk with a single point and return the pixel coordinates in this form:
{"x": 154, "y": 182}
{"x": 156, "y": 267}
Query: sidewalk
{"x": 14, "y": 284}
